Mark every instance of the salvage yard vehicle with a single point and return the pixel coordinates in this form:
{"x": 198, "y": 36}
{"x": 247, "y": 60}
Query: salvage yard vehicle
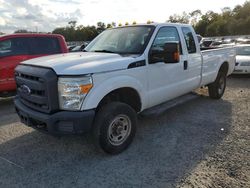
{"x": 123, "y": 72}
{"x": 242, "y": 65}
{"x": 16, "y": 48}
{"x": 79, "y": 48}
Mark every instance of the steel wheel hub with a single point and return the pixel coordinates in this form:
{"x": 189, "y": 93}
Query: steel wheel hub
{"x": 119, "y": 129}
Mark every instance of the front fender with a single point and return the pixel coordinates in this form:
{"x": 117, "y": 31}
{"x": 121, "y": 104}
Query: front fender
{"x": 103, "y": 86}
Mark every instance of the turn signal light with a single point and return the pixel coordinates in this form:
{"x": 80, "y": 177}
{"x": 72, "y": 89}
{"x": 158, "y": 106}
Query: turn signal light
{"x": 177, "y": 56}
{"x": 85, "y": 88}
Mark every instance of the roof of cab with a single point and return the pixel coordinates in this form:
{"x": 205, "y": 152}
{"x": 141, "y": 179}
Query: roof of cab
{"x": 154, "y": 24}
{"x": 29, "y": 35}
{"x": 168, "y": 23}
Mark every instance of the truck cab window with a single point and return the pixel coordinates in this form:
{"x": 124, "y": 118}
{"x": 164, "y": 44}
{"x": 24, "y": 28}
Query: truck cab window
{"x": 44, "y": 45}
{"x": 5, "y": 47}
{"x": 14, "y": 46}
{"x": 189, "y": 39}
{"x": 164, "y": 35}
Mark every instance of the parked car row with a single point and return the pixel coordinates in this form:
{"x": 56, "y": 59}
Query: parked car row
{"x": 242, "y": 45}
{"x": 216, "y": 43}
{"x": 222, "y": 42}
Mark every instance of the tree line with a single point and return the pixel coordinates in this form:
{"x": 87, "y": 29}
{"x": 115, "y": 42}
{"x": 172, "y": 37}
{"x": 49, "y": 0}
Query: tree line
{"x": 234, "y": 21}
{"x": 72, "y": 32}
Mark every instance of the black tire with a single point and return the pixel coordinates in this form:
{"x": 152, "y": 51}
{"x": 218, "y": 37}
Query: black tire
{"x": 114, "y": 127}
{"x": 7, "y": 94}
{"x": 217, "y": 88}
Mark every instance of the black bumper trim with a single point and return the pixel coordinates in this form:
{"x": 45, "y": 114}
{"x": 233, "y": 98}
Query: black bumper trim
{"x": 63, "y": 122}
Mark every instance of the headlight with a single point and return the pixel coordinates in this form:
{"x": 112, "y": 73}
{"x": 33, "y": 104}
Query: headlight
{"x": 72, "y": 91}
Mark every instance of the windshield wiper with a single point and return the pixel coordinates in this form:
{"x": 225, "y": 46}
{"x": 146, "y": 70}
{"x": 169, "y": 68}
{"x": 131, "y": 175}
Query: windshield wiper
{"x": 105, "y": 51}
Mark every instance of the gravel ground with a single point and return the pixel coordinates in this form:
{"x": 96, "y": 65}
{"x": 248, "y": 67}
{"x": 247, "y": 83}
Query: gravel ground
{"x": 200, "y": 143}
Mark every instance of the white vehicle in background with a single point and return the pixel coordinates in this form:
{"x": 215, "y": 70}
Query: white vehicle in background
{"x": 242, "y": 65}
{"x": 121, "y": 73}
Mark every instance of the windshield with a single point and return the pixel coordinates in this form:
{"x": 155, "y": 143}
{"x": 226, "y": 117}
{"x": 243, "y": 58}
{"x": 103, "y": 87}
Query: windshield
{"x": 243, "y": 50}
{"x": 124, "y": 40}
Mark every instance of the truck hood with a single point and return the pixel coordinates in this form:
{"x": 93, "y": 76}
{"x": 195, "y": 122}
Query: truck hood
{"x": 82, "y": 62}
{"x": 242, "y": 58}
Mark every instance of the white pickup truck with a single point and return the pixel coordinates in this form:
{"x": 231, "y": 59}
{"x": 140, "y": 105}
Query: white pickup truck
{"x": 122, "y": 72}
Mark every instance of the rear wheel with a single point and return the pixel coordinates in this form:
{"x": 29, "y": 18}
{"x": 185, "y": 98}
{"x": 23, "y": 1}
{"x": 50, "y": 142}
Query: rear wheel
{"x": 217, "y": 88}
{"x": 114, "y": 127}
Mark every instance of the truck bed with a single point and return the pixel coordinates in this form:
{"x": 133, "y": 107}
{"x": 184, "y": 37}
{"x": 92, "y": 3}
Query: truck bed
{"x": 211, "y": 62}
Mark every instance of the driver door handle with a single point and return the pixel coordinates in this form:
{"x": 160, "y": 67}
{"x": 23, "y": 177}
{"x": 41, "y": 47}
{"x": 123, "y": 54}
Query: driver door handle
{"x": 185, "y": 65}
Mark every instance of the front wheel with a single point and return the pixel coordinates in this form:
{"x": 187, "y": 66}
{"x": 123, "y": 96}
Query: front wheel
{"x": 217, "y": 88}
{"x": 114, "y": 127}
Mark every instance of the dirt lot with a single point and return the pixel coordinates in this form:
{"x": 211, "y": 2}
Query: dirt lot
{"x": 201, "y": 143}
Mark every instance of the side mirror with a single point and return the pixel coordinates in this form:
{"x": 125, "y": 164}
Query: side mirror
{"x": 169, "y": 53}
{"x": 82, "y": 47}
{"x": 172, "y": 52}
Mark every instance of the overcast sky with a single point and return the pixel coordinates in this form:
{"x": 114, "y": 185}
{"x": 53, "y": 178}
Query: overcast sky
{"x": 46, "y": 15}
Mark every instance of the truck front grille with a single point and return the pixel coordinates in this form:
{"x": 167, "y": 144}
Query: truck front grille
{"x": 37, "y": 88}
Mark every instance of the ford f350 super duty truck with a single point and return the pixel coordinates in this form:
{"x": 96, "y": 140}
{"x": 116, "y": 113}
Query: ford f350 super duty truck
{"x": 122, "y": 72}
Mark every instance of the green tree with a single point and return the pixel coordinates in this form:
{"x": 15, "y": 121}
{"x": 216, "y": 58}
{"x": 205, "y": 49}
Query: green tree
{"x": 195, "y": 17}
{"x": 234, "y": 21}
{"x": 228, "y": 22}
{"x": 77, "y": 33}
{"x": 72, "y": 24}
{"x": 179, "y": 18}
{"x": 109, "y": 26}
{"x": 22, "y": 31}
{"x": 101, "y": 27}
{"x": 203, "y": 26}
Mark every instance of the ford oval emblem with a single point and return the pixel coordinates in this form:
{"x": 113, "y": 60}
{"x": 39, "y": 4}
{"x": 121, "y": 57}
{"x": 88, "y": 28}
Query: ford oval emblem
{"x": 25, "y": 89}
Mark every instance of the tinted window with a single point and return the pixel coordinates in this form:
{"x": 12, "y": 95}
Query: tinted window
{"x": 166, "y": 34}
{"x": 14, "y": 46}
{"x": 5, "y": 47}
{"x": 29, "y": 46}
{"x": 188, "y": 35}
{"x": 44, "y": 45}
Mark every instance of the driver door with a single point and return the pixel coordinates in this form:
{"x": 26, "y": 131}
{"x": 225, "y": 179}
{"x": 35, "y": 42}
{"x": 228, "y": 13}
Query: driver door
{"x": 167, "y": 80}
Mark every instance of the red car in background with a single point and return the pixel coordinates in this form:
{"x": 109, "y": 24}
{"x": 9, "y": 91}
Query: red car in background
{"x": 16, "y": 48}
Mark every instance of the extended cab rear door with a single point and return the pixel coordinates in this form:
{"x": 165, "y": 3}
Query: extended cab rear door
{"x": 169, "y": 80}
{"x": 192, "y": 57}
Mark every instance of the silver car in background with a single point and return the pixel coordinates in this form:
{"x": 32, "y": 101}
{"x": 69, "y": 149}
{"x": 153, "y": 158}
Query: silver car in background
{"x": 242, "y": 65}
